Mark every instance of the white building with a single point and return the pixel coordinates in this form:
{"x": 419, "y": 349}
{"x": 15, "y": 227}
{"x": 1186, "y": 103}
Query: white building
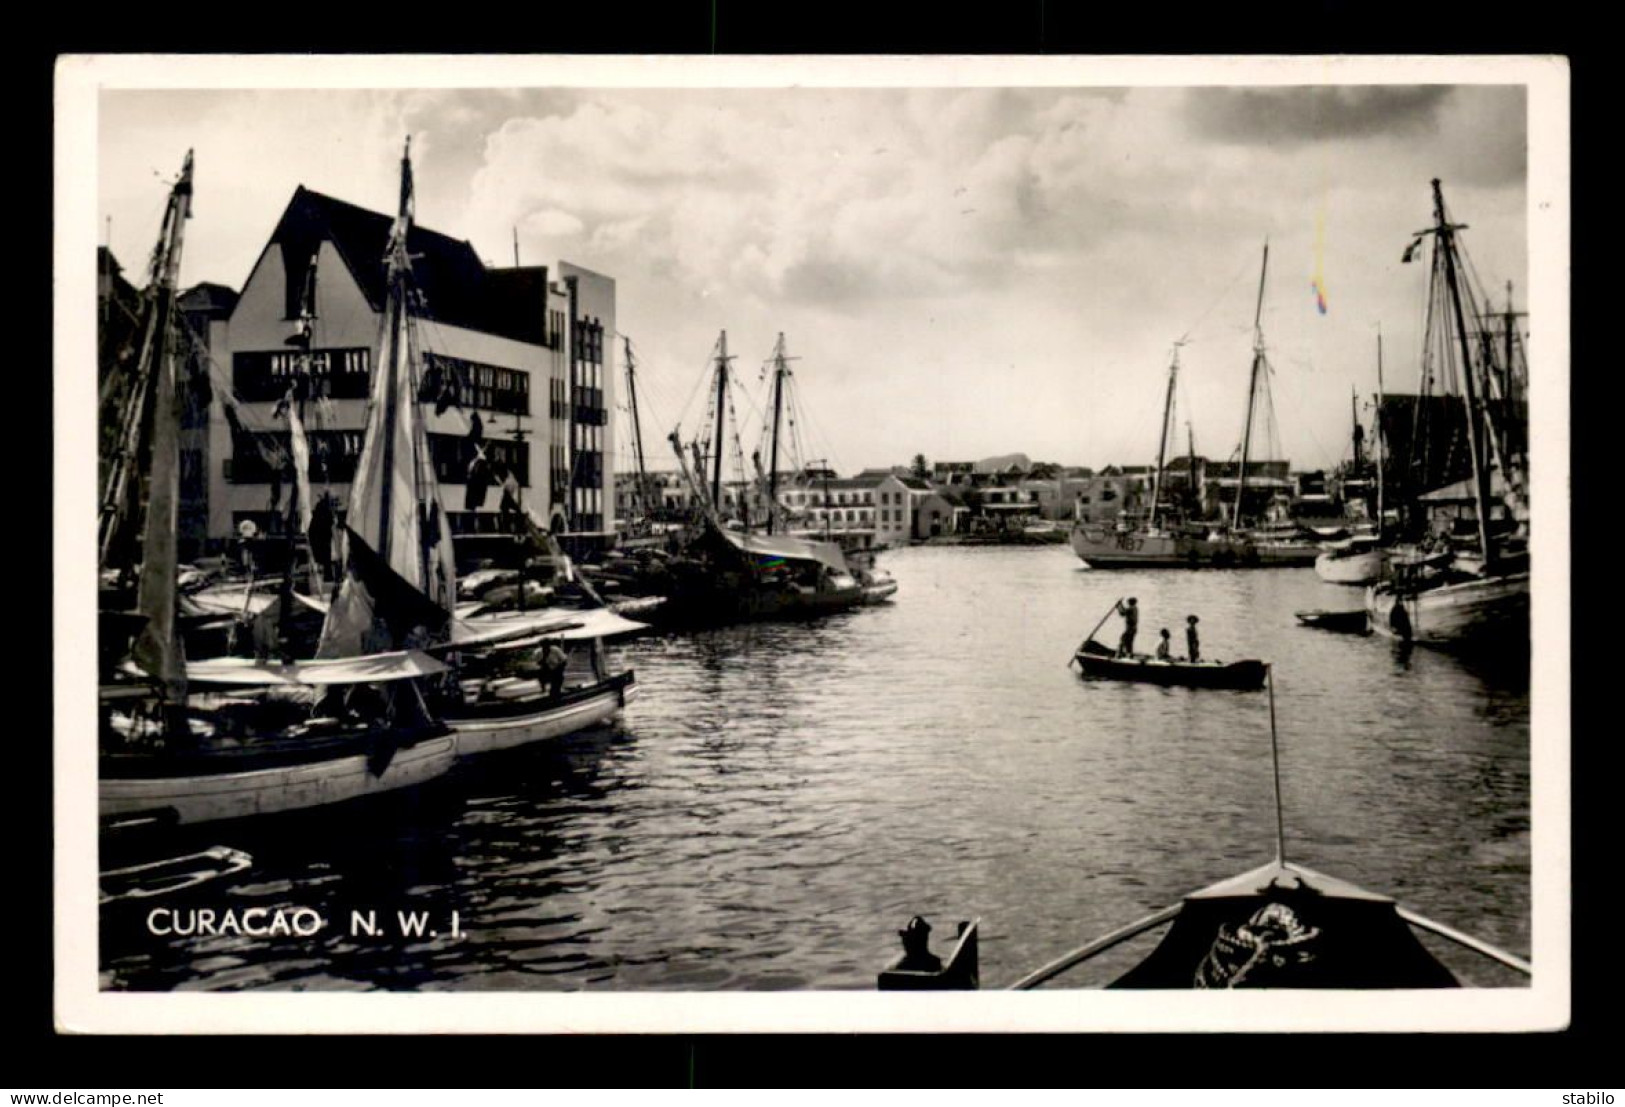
{"x": 505, "y": 336}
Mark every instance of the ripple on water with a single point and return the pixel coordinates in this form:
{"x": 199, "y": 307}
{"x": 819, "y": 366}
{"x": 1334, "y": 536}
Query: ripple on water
{"x": 780, "y": 799}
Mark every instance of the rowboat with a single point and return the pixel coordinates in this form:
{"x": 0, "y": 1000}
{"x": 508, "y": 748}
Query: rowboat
{"x": 1279, "y": 925}
{"x": 1346, "y": 622}
{"x": 170, "y": 875}
{"x": 1096, "y": 660}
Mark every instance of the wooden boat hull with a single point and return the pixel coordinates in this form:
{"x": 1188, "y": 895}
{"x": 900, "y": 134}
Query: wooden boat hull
{"x": 216, "y": 796}
{"x": 1289, "y": 555}
{"x": 1453, "y": 614}
{"x": 1094, "y": 660}
{"x": 708, "y": 607}
{"x": 879, "y": 592}
{"x": 1102, "y": 548}
{"x": 527, "y": 720}
{"x": 1344, "y": 568}
{"x": 1346, "y": 622}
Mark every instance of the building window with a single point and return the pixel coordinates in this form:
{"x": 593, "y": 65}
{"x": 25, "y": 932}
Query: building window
{"x": 453, "y": 454}
{"x": 340, "y": 374}
{"x": 477, "y": 384}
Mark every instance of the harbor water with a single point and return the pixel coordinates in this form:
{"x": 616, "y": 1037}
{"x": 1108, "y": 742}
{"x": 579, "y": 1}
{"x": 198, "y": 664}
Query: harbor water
{"x": 780, "y": 798}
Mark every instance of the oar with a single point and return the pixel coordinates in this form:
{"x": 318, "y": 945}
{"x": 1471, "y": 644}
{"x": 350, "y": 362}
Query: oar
{"x": 1091, "y": 634}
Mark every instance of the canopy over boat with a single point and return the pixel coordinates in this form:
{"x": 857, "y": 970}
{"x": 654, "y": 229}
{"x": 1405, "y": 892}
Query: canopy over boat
{"x": 571, "y": 624}
{"x": 783, "y": 547}
{"x": 241, "y": 671}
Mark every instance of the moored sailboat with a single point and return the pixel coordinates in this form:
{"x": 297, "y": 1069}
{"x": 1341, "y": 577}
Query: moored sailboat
{"x": 1362, "y": 557}
{"x": 280, "y": 738}
{"x": 1481, "y": 595}
{"x": 400, "y": 582}
{"x": 729, "y": 573}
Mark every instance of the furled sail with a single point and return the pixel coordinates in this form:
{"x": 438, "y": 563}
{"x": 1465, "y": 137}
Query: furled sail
{"x": 399, "y": 577}
{"x": 157, "y": 648}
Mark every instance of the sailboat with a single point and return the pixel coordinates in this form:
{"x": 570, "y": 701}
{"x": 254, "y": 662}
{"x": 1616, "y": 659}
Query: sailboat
{"x": 1464, "y": 596}
{"x": 729, "y": 574}
{"x": 399, "y": 585}
{"x": 1279, "y": 925}
{"x": 1196, "y": 543}
{"x": 260, "y": 737}
{"x": 1362, "y": 557}
{"x": 1152, "y": 544}
{"x": 1277, "y": 542}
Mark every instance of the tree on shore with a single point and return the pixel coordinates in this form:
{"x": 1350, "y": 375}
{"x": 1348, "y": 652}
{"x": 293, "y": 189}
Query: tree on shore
{"x": 920, "y": 467}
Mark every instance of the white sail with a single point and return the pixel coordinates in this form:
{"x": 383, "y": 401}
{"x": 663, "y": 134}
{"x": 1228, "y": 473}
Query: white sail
{"x": 399, "y": 570}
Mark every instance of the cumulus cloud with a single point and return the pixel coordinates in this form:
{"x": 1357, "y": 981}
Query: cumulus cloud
{"x": 964, "y": 243}
{"x": 1313, "y": 114}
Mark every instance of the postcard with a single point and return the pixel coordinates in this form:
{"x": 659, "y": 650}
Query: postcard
{"x": 811, "y": 544}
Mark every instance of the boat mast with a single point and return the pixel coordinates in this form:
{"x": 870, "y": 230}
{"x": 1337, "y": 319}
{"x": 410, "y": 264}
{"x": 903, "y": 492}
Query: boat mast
{"x": 1190, "y": 453}
{"x": 780, "y": 371}
{"x": 1447, "y": 242}
{"x": 1252, "y": 387}
{"x": 298, "y": 509}
{"x": 722, "y": 405}
{"x": 637, "y": 427}
{"x": 157, "y": 649}
{"x": 1162, "y": 442}
{"x": 1377, "y": 429}
{"x": 117, "y": 508}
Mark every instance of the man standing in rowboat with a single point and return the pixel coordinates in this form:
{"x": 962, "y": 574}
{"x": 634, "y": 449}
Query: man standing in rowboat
{"x": 1193, "y": 645}
{"x": 1131, "y": 623}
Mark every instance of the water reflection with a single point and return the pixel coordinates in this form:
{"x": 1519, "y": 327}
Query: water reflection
{"x": 780, "y": 798}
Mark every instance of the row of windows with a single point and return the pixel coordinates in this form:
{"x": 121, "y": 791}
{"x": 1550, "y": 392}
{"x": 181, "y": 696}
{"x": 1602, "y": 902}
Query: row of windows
{"x": 588, "y": 342}
{"x": 822, "y": 498}
{"x": 484, "y": 386}
{"x": 454, "y": 457}
{"x": 342, "y": 374}
{"x": 588, "y": 471}
{"x": 259, "y": 457}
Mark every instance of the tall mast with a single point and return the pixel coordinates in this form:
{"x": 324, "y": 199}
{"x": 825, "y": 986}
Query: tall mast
{"x": 780, "y": 370}
{"x": 299, "y": 505}
{"x": 1252, "y": 386}
{"x": 1447, "y": 243}
{"x": 637, "y": 427}
{"x": 1354, "y": 415}
{"x": 1190, "y": 454}
{"x": 722, "y": 402}
{"x": 1377, "y": 428}
{"x": 1162, "y": 441}
{"x": 157, "y": 649}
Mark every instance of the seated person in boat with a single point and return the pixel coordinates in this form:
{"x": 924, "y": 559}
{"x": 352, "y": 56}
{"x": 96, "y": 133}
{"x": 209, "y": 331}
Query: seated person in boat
{"x": 1131, "y": 623}
{"x": 1193, "y": 645}
{"x": 1165, "y": 651}
{"x": 917, "y": 955}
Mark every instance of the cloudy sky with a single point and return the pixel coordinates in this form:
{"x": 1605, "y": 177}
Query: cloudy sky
{"x": 962, "y": 271}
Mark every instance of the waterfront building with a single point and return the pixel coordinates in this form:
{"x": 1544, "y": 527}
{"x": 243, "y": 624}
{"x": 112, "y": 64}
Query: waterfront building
{"x": 840, "y": 508}
{"x": 1269, "y": 483}
{"x": 1114, "y": 491}
{"x": 899, "y": 498}
{"x": 499, "y": 337}
{"x": 936, "y": 514}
